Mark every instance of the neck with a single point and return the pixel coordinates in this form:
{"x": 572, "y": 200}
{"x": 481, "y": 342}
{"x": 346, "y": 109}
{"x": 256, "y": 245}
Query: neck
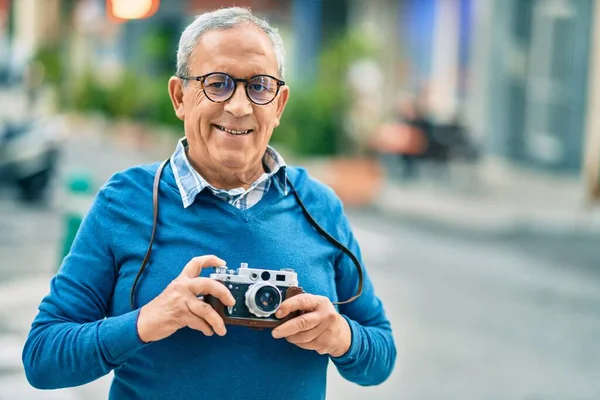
{"x": 227, "y": 180}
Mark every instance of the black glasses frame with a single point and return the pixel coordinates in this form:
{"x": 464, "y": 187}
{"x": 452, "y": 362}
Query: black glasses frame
{"x": 202, "y": 78}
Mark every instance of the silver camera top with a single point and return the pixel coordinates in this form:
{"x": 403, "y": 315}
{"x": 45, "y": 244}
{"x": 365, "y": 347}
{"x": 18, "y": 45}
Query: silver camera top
{"x": 282, "y": 277}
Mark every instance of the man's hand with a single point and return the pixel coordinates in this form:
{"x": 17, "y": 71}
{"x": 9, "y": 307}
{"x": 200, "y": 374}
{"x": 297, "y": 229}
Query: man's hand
{"x": 320, "y": 328}
{"x": 178, "y": 305}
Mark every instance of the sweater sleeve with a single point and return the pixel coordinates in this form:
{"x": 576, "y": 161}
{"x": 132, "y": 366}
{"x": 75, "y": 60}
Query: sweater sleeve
{"x": 372, "y": 354}
{"x": 71, "y": 342}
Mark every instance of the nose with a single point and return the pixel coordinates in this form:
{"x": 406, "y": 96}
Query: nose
{"x": 239, "y": 104}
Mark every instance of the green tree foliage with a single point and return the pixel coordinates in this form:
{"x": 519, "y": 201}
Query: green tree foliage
{"x": 313, "y": 122}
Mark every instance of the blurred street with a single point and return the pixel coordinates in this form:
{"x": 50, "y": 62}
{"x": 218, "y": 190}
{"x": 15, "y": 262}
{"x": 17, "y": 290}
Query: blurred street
{"x": 507, "y": 317}
{"x": 463, "y": 137}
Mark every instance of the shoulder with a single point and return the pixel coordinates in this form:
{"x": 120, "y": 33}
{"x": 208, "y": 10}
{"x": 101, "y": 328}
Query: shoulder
{"x": 123, "y": 190}
{"x": 314, "y": 193}
{"x": 322, "y": 203}
{"x": 137, "y": 179}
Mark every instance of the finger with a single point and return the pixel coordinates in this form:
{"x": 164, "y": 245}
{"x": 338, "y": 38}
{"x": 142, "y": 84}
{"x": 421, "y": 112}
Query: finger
{"x": 305, "y": 302}
{"x": 314, "y": 345}
{"x": 307, "y": 336}
{"x": 199, "y": 324}
{"x": 304, "y": 322}
{"x": 207, "y": 313}
{"x": 193, "y": 268}
{"x": 203, "y": 286}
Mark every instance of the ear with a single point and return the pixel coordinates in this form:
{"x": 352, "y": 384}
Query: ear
{"x": 176, "y": 94}
{"x": 280, "y": 102}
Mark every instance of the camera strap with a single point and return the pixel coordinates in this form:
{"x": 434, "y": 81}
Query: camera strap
{"x": 333, "y": 241}
{"x": 309, "y": 217}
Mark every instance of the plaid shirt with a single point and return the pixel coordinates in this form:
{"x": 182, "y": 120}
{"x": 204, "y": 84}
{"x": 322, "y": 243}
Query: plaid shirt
{"x": 190, "y": 182}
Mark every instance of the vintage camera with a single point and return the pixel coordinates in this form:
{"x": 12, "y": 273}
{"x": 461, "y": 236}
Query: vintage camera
{"x": 258, "y": 294}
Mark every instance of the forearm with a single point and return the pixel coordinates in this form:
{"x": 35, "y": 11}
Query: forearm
{"x": 61, "y": 354}
{"x": 371, "y": 357}
{"x": 372, "y": 354}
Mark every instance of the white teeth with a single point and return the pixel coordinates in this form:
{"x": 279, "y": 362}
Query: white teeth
{"x": 233, "y": 132}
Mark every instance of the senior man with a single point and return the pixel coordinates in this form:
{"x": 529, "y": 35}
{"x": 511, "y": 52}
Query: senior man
{"x": 119, "y": 304}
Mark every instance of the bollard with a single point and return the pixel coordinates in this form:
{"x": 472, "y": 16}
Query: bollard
{"x": 80, "y": 194}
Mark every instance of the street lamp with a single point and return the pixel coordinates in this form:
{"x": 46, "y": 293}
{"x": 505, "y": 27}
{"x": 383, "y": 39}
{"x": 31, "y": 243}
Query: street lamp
{"x": 120, "y": 10}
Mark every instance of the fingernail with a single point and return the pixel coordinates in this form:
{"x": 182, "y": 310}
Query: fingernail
{"x": 279, "y": 313}
{"x": 275, "y": 334}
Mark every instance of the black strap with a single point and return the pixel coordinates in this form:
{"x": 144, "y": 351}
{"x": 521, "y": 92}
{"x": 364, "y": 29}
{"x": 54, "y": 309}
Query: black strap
{"x": 309, "y": 217}
{"x": 336, "y": 243}
{"x": 155, "y": 219}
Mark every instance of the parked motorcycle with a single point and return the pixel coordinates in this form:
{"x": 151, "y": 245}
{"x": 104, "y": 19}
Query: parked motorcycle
{"x": 28, "y": 156}
{"x": 29, "y": 140}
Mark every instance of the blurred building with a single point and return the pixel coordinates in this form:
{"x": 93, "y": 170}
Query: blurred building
{"x": 29, "y": 24}
{"x": 530, "y": 80}
{"x": 592, "y": 141}
{"x": 93, "y": 40}
{"x": 437, "y": 36}
{"x": 517, "y": 72}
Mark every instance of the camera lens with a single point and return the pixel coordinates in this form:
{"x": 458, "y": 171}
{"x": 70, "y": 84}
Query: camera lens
{"x": 263, "y": 299}
{"x": 267, "y": 298}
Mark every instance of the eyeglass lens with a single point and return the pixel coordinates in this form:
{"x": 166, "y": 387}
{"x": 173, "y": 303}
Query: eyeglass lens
{"x": 261, "y": 89}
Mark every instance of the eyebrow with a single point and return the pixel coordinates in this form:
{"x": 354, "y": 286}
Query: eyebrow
{"x": 253, "y": 72}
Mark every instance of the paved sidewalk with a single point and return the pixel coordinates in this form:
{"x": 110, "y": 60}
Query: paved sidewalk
{"x": 513, "y": 201}
{"x": 18, "y": 306}
{"x": 492, "y": 198}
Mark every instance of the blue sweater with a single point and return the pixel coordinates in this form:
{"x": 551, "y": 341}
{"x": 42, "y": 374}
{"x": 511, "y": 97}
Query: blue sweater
{"x": 85, "y": 327}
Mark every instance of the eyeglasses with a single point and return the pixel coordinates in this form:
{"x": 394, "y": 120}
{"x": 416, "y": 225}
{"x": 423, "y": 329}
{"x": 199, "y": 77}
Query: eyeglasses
{"x": 219, "y": 87}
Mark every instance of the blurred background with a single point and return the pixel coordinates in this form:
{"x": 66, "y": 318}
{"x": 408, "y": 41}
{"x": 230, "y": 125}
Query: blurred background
{"x": 462, "y": 135}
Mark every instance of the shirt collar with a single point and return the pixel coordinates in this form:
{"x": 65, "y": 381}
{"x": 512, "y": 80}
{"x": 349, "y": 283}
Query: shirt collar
{"x": 191, "y": 183}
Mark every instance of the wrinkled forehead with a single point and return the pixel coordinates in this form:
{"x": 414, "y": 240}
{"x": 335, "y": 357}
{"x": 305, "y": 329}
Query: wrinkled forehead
{"x": 241, "y": 51}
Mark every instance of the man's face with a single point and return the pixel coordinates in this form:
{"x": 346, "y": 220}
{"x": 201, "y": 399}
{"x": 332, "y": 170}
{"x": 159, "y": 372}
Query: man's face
{"x": 241, "y": 52}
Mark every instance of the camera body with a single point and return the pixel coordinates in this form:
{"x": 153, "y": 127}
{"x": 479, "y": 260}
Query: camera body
{"x": 258, "y": 293}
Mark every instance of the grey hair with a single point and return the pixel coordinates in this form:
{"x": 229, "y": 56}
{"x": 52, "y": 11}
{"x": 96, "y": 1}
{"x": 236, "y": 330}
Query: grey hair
{"x": 224, "y": 18}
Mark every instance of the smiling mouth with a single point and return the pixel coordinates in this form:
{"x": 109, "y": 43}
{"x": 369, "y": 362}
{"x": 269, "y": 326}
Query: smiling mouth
{"x": 234, "y": 132}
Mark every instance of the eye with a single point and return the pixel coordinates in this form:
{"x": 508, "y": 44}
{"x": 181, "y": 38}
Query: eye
{"x": 218, "y": 82}
{"x": 217, "y": 85}
{"x": 258, "y": 87}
